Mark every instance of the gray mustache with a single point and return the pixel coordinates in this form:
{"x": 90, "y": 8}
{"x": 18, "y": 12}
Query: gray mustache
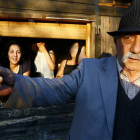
{"x": 130, "y": 55}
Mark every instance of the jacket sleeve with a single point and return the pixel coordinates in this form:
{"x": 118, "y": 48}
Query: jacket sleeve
{"x": 41, "y": 92}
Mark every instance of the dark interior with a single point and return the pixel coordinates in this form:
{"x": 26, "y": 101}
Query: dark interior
{"x": 60, "y": 47}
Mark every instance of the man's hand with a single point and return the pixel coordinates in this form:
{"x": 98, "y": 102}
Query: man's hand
{"x": 6, "y": 81}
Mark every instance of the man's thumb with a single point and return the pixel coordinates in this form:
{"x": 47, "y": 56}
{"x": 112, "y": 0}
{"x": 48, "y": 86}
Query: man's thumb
{"x": 1, "y": 79}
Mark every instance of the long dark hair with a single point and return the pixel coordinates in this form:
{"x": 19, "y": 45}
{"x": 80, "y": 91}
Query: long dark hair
{"x": 34, "y": 49}
{"x": 80, "y": 45}
{"x": 33, "y": 54}
{"x": 4, "y": 56}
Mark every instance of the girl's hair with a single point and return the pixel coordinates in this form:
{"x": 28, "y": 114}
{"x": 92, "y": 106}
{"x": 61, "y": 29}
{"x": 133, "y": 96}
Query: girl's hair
{"x": 4, "y": 56}
{"x": 34, "y": 51}
{"x": 80, "y": 45}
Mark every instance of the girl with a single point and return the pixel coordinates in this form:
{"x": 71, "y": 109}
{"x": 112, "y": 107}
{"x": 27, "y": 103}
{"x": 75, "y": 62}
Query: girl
{"x": 42, "y": 61}
{"x": 71, "y": 63}
{"x": 13, "y": 59}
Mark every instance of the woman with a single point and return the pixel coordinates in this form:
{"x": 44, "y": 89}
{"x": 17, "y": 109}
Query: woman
{"x": 13, "y": 59}
{"x": 42, "y": 61}
{"x": 70, "y": 64}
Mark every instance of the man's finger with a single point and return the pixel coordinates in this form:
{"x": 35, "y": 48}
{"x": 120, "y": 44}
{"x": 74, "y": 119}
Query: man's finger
{"x": 3, "y": 71}
{"x": 7, "y": 76}
{"x": 1, "y": 79}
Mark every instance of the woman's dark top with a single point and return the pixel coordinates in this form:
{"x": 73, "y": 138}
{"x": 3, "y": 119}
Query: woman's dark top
{"x": 69, "y": 68}
{"x": 24, "y": 67}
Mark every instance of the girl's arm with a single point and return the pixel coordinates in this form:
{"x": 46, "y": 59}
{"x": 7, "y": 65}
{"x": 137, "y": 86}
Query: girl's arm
{"x": 50, "y": 59}
{"x": 60, "y": 72}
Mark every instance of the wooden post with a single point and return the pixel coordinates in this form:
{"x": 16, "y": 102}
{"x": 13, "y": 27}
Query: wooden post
{"x": 92, "y": 40}
{"x": 88, "y": 48}
{"x": 97, "y": 35}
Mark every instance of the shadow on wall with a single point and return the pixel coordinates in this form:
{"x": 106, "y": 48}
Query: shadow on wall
{"x": 103, "y": 55}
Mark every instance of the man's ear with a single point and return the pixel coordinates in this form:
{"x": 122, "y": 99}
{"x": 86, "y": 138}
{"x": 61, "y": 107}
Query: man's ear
{"x": 115, "y": 41}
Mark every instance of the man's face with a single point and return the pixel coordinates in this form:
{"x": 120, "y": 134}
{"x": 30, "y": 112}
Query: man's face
{"x": 128, "y": 51}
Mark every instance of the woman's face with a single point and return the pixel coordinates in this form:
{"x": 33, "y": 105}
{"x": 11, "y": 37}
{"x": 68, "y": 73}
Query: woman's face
{"x": 74, "y": 49}
{"x": 14, "y": 54}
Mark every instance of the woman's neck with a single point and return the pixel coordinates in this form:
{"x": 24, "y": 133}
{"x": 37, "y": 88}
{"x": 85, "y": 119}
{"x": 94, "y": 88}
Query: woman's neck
{"x": 73, "y": 58}
{"x": 13, "y": 66}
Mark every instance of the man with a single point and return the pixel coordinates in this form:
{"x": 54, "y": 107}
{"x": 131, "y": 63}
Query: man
{"x": 106, "y": 91}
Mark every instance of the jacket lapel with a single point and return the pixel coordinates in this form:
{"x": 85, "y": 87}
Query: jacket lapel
{"x": 109, "y": 85}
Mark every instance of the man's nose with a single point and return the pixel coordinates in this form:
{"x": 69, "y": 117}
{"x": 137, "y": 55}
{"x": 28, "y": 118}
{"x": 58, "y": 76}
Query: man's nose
{"x": 135, "y": 48}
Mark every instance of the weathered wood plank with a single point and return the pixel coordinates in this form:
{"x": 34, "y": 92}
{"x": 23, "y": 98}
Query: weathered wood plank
{"x": 44, "y": 16}
{"x": 41, "y": 135}
{"x": 36, "y": 120}
{"x": 114, "y": 23}
{"x": 25, "y": 131}
{"x": 89, "y": 2}
{"x": 104, "y": 36}
{"x": 111, "y": 11}
{"x": 42, "y": 8}
{"x": 48, "y": 16}
{"x": 50, "y": 123}
{"x": 27, "y": 112}
{"x": 47, "y": 5}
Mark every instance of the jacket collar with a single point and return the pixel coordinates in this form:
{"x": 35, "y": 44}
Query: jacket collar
{"x": 109, "y": 85}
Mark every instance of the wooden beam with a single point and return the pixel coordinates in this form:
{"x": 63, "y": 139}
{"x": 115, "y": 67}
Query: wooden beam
{"x": 42, "y": 30}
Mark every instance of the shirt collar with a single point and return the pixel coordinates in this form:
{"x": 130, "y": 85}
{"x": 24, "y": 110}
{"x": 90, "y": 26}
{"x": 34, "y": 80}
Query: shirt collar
{"x": 120, "y": 69}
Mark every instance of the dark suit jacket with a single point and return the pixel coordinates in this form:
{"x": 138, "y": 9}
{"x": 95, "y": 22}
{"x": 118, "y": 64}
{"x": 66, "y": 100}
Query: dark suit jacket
{"x": 93, "y": 85}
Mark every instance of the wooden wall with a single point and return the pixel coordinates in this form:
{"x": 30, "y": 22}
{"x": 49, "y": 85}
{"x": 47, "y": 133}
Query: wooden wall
{"x": 50, "y": 123}
{"x": 53, "y": 123}
{"x": 57, "y": 9}
{"x": 107, "y": 42}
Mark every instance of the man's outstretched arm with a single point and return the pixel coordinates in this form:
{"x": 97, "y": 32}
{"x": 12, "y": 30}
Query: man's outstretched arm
{"x": 37, "y": 92}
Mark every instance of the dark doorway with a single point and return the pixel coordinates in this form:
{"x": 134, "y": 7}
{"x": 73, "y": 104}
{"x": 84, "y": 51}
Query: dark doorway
{"x": 60, "y": 47}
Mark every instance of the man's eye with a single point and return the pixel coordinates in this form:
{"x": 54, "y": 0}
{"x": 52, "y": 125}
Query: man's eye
{"x": 128, "y": 37}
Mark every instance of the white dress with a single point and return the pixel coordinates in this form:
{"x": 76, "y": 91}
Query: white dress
{"x": 42, "y": 66}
